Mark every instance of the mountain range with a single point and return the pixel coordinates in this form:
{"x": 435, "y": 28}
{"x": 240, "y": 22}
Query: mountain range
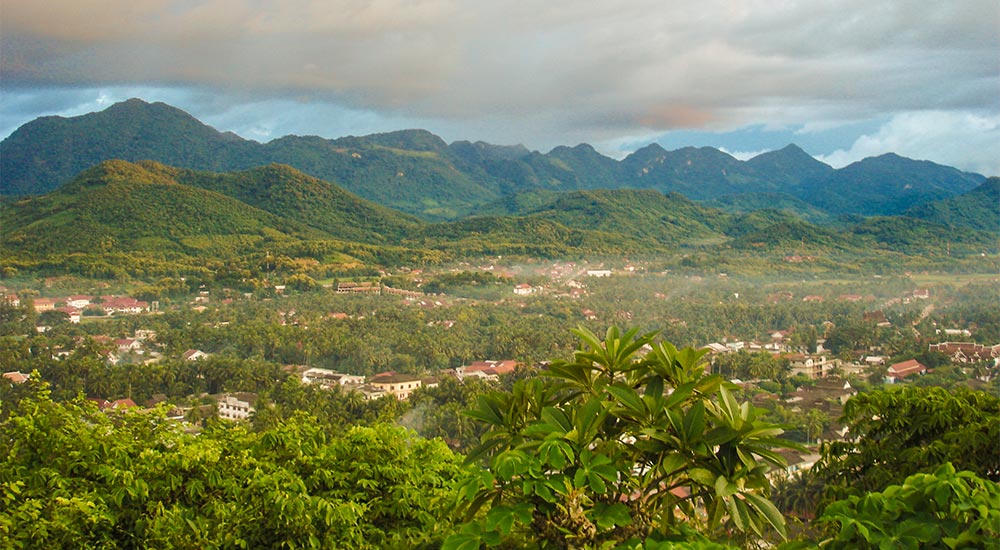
{"x": 120, "y": 218}
{"x": 416, "y": 172}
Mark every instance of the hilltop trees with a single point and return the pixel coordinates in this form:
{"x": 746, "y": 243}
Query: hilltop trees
{"x": 73, "y": 477}
{"x": 909, "y": 430}
{"x": 614, "y": 447}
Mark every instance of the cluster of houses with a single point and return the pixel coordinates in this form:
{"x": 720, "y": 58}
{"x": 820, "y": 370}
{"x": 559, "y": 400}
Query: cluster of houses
{"x": 401, "y": 385}
{"x": 74, "y": 306}
{"x": 967, "y": 352}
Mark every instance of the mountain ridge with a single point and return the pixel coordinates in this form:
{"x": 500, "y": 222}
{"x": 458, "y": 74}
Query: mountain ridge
{"x": 419, "y": 173}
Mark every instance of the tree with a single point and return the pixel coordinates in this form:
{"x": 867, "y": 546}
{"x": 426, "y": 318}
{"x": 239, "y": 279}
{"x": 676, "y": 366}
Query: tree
{"x": 943, "y": 509}
{"x": 903, "y": 431}
{"x": 615, "y": 447}
{"x": 74, "y": 477}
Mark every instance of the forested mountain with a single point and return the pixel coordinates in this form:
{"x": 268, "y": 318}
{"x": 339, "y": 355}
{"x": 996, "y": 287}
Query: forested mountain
{"x": 643, "y": 214}
{"x": 147, "y": 218}
{"x": 417, "y": 172}
{"x": 49, "y": 151}
{"x": 977, "y": 209}
{"x": 887, "y": 185}
{"x": 752, "y": 202}
{"x": 788, "y": 169}
{"x": 288, "y": 193}
{"x": 125, "y": 208}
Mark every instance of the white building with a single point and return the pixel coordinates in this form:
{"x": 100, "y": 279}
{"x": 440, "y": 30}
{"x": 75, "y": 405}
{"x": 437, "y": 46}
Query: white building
{"x": 236, "y": 406}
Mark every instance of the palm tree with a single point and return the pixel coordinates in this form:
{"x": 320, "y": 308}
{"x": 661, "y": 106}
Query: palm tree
{"x": 815, "y": 423}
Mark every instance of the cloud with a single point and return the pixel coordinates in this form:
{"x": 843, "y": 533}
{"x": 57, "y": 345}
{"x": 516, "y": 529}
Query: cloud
{"x": 542, "y": 72}
{"x": 969, "y": 141}
{"x": 744, "y": 155}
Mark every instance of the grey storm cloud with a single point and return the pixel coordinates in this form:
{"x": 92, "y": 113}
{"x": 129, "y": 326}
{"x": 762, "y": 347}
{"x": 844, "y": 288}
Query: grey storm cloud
{"x": 565, "y": 69}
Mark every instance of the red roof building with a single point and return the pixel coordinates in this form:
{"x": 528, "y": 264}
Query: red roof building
{"x": 900, "y": 371}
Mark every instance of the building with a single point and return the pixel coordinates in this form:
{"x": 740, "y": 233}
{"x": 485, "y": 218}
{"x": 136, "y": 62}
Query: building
{"x": 44, "y": 304}
{"x": 327, "y": 378}
{"x": 399, "y": 386}
{"x": 193, "y": 355}
{"x": 899, "y": 371}
{"x": 815, "y": 367}
{"x": 236, "y": 406}
{"x": 71, "y": 312}
{"x": 523, "y": 289}
{"x": 15, "y": 377}
{"x": 967, "y": 352}
{"x": 79, "y": 301}
{"x": 359, "y": 288}
{"x": 123, "y": 305}
{"x": 487, "y": 370}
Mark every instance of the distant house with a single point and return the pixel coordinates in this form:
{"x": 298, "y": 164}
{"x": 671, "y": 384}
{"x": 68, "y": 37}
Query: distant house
{"x": 716, "y": 348}
{"x": 812, "y": 298}
{"x": 71, "y": 312}
{"x": 523, "y": 289}
{"x": 118, "y": 404}
{"x": 11, "y": 299}
{"x": 359, "y": 288}
{"x": 128, "y": 344}
{"x": 922, "y": 293}
{"x": 398, "y": 385}
{"x": 193, "y": 355}
{"x": 44, "y": 304}
{"x": 899, "y": 371}
{"x": 780, "y": 335}
{"x": 598, "y": 272}
{"x": 875, "y": 360}
{"x": 815, "y": 367}
{"x": 79, "y": 301}
{"x": 145, "y": 334}
{"x": 487, "y": 370}
{"x": 236, "y": 406}
{"x": 326, "y": 378}
{"x": 122, "y": 305}
{"x": 15, "y": 377}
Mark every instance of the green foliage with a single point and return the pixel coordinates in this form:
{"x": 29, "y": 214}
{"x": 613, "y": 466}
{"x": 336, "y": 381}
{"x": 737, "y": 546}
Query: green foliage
{"x": 978, "y": 209}
{"x": 73, "y": 477}
{"x": 943, "y": 509}
{"x": 909, "y": 430}
{"x": 615, "y": 447}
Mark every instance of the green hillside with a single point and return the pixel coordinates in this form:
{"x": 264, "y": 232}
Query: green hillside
{"x": 977, "y": 209}
{"x": 126, "y": 216}
{"x": 925, "y": 238}
{"x": 645, "y": 215}
{"x": 790, "y": 236}
{"x": 292, "y": 195}
{"x": 749, "y": 202}
{"x": 146, "y": 218}
{"x": 126, "y": 207}
{"x": 526, "y": 236}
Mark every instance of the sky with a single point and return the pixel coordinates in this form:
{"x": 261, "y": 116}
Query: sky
{"x": 843, "y": 79}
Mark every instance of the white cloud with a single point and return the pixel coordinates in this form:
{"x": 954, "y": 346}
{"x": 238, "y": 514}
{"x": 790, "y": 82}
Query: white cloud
{"x": 965, "y": 140}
